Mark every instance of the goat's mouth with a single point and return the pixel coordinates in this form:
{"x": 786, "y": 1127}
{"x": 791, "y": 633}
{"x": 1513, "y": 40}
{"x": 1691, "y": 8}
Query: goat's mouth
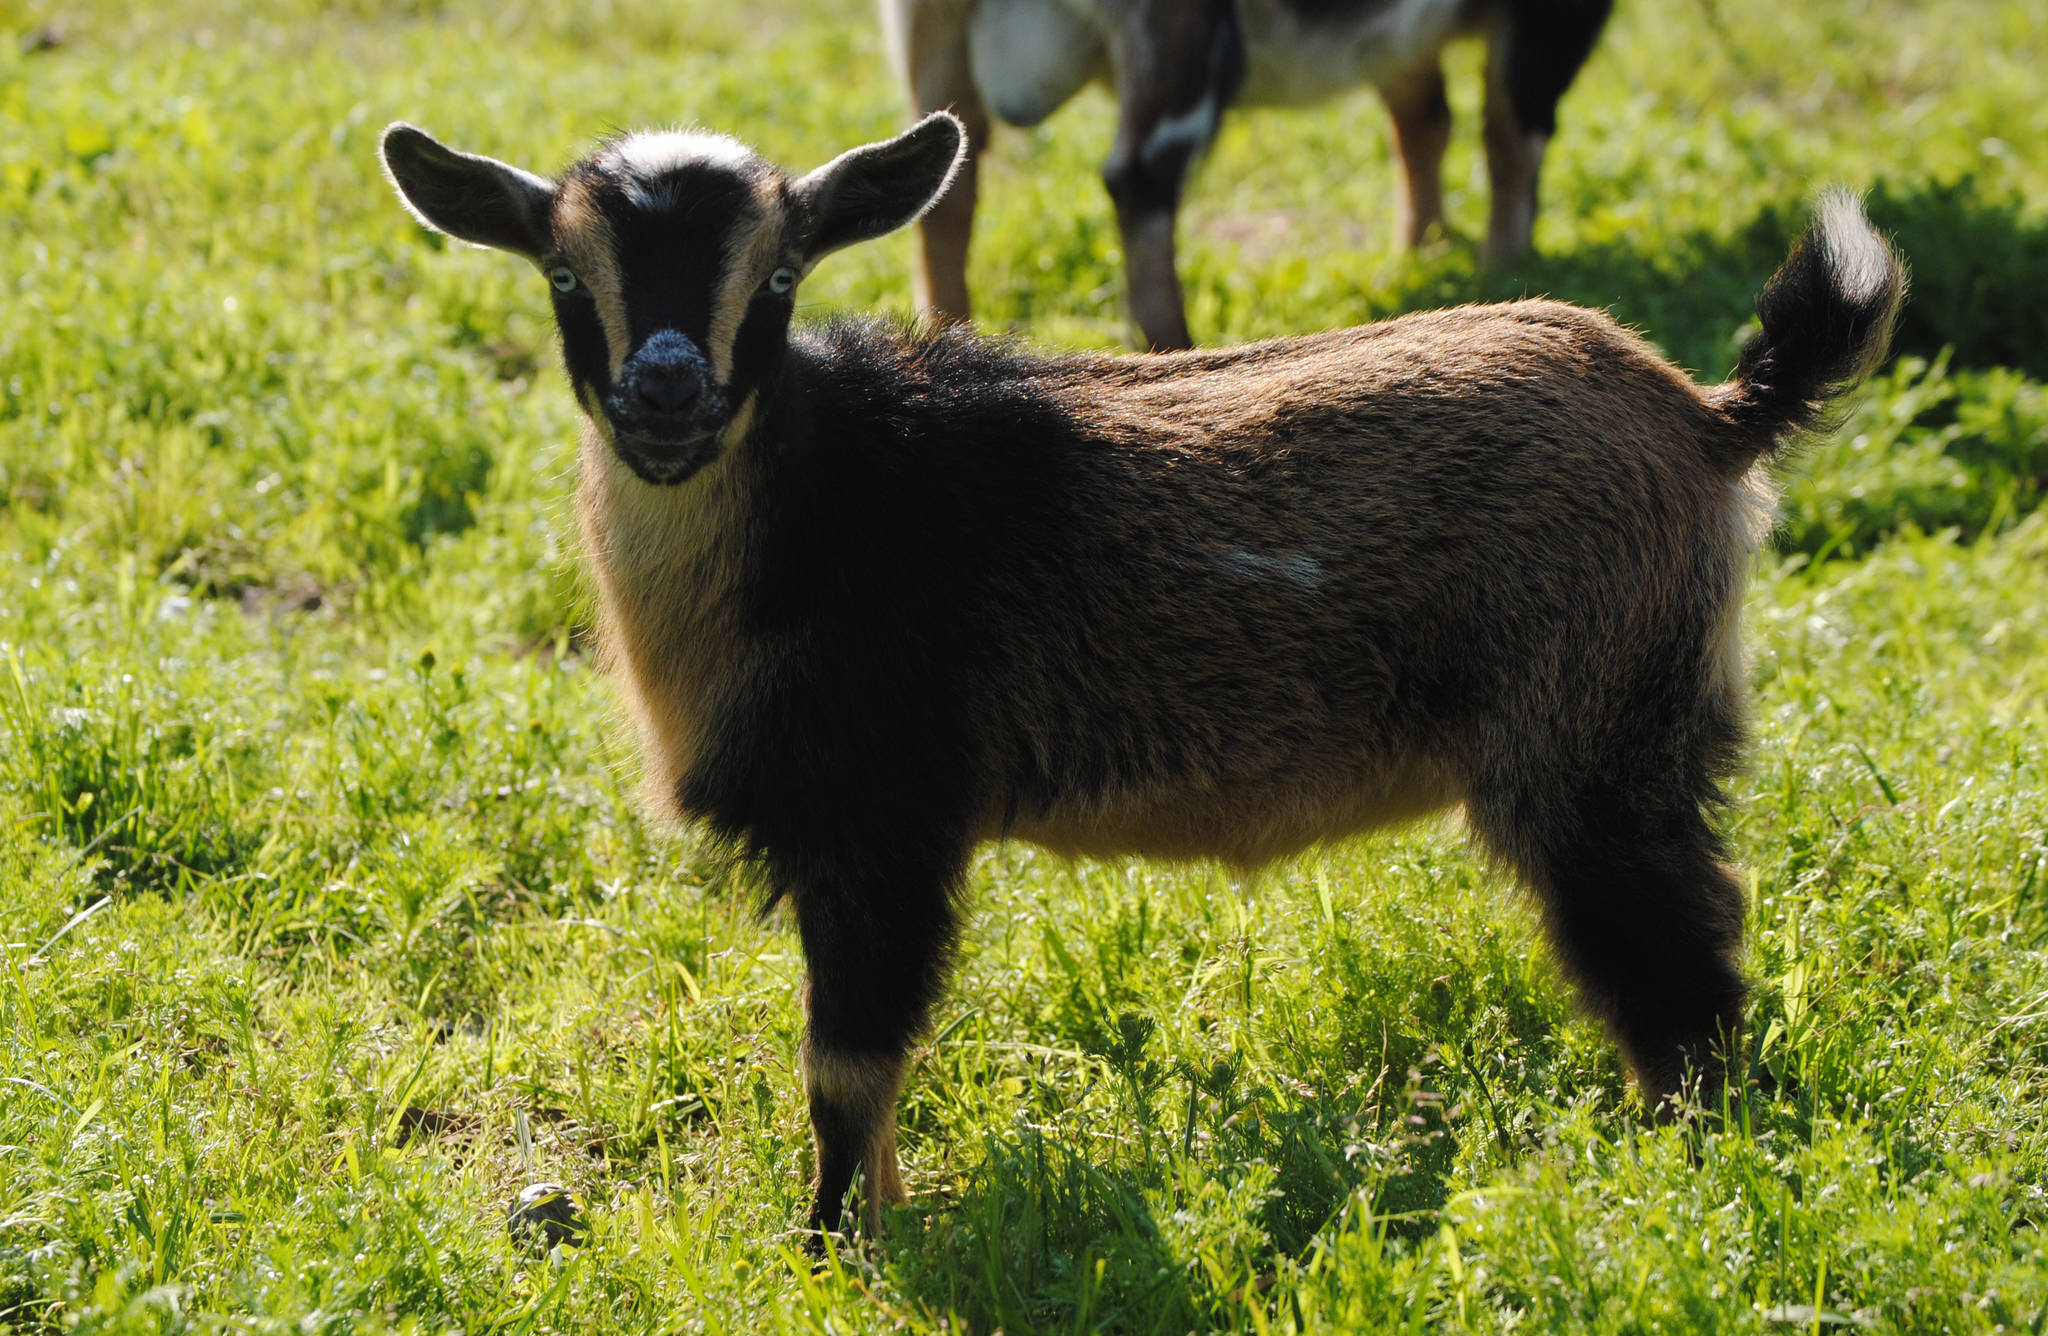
{"x": 666, "y": 449}
{"x": 666, "y": 460}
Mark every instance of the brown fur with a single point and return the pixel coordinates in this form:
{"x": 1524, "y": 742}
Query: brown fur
{"x": 1344, "y": 433}
{"x": 1357, "y": 451}
{"x": 642, "y": 544}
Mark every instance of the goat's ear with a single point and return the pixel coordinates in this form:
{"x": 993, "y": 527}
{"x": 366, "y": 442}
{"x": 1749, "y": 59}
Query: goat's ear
{"x": 871, "y": 191}
{"x": 470, "y": 197}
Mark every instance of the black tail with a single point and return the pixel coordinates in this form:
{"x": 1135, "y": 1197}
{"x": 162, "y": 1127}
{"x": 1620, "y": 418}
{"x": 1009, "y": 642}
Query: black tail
{"x": 1827, "y": 319}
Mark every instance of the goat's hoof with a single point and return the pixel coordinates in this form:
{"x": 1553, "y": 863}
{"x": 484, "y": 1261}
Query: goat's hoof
{"x": 546, "y": 1215}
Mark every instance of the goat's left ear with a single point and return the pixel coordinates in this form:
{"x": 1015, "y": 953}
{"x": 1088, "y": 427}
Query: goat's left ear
{"x": 871, "y": 191}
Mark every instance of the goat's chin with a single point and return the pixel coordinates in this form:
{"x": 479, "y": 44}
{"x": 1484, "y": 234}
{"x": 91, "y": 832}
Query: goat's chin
{"x": 665, "y": 461}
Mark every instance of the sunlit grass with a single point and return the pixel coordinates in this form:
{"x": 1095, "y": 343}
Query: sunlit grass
{"x": 328, "y": 921}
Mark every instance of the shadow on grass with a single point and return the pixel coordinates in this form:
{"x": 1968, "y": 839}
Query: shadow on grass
{"x": 1979, "y": 266}
{"x": 1952, "y": 434}
{"x": 1062, "y": 1229}
{"x": 1042, "y": 1237}
{"x": 1980, "y": 273}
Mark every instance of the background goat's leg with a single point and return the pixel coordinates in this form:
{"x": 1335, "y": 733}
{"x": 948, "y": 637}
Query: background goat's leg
{"x": 936, "y": 64}
{"x": 1533, "y": 52}
{"x": 1422, "y": 131}
{"x": 1171, "y": 100}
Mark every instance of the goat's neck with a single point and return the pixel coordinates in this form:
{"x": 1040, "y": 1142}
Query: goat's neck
{"x": 666, "y": 563}
{"x": 673, "y": 548}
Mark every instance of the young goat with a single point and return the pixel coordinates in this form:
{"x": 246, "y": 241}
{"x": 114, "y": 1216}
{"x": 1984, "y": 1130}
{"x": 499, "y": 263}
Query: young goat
{"x": 876, "y": 595}
{"x": 1175, "y": 67}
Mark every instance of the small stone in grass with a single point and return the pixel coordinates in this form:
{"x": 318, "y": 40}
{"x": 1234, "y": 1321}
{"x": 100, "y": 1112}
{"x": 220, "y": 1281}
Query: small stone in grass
{"x": 546, "y": 1214}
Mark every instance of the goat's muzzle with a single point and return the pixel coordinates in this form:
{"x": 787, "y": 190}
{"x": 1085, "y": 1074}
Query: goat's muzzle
{"x": 666, "y": 409}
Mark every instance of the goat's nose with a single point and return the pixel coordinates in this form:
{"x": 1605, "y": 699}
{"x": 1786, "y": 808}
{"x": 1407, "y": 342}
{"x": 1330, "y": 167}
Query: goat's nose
{"x": 667, "y": 388}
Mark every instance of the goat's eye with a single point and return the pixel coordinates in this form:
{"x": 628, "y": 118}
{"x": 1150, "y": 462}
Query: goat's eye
{"x": 562, "y": 278}
{"x": 782, "y": 280}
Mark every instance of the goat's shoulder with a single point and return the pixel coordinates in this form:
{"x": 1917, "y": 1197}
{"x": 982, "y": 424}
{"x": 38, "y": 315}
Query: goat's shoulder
{"x": 867, "y": 365}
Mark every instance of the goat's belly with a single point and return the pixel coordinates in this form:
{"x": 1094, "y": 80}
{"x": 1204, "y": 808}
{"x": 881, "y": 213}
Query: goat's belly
{"x": 1295, "y": 60}
{"x": 1246, "y": 825}
{"x": 1030, "y": 56}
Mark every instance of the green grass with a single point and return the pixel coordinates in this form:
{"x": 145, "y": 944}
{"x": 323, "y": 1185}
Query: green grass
{"x": 328, "y": 920}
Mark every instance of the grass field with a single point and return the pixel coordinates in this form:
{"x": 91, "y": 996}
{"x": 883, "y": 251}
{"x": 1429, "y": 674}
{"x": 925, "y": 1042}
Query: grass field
{"x": 328, "y": 921}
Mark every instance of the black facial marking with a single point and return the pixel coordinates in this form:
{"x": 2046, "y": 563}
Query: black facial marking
{"x": 585, "y": 354}
{"x": 758, "y": 348}
{"x": 671, "y": 234}
{"x": 1336, "y": 11}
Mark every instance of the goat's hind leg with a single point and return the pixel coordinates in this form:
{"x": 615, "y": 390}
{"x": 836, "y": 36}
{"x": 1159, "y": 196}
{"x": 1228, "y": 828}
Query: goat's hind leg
{"x": 1646, "y": 918}
{"x": 1534, "y": 51}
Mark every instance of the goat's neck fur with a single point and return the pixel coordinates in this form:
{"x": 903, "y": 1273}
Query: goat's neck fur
{"x": 666, "y": 563}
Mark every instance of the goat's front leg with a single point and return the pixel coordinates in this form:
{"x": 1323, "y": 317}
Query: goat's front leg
{"x": 877, "y": 949}
{"x": 931, "y": 48}
{"x": 1177, "y": 70}
{"x": 853, "y": 1119}
{"x": 1422, "y": 131}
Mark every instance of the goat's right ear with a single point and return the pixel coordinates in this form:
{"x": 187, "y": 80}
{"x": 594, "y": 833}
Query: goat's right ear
{"x": 468, "y": 196}
{"x": 872, "y": 190}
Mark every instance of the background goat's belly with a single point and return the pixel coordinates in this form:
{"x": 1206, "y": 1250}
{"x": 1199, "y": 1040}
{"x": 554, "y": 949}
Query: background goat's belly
{"x": 1030, "y": 56}
{"x": 1295, "y": 60}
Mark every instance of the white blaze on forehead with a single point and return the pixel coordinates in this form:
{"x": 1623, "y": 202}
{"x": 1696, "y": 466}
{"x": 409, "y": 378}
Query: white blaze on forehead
{"x": 645, "y": 159}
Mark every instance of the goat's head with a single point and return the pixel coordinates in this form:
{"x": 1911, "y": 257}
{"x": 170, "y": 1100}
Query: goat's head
{"x": 674, "y": 258}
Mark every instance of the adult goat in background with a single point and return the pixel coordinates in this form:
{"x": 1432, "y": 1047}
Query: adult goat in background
{"x": 1174, "y": 66}
{"x": 877, "y": 594}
